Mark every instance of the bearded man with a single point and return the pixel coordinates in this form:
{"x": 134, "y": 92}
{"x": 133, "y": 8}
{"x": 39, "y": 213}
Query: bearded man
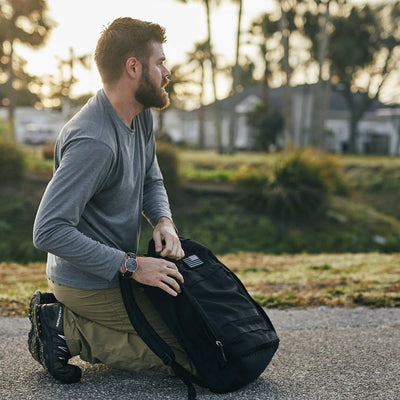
{"x": 105, "y": 175}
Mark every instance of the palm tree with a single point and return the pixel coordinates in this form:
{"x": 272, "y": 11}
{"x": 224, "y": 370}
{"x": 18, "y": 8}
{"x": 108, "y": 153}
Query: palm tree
{"x": 235, "y": 81}
{"x": 26, "y": 22}
{"x": 217, "y": 116}
{"x": 287, "y": 100}
{"x": 69, "y": 64}
{"x": 68, "y": 79}
{"x": 320, "y": 91}
{"x": 199, "y": 57}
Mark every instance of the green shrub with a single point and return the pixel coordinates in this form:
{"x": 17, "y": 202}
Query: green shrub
{"x": 296, "y": 190}
{"x": 168, "y": 160}
{"x": 299, "y": 187}
{"x": 267, "y": 122}
{"x": 17, "y": 212}
{"x": 330, "y": 170}
{"x": 12, "y": 163}
{"x": 253, "y": 185}
{"x": 375, "y": 179}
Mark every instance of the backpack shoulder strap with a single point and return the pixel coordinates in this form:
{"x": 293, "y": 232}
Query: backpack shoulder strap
{"x": 152, "y": 339}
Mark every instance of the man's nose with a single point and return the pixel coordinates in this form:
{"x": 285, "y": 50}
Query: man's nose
{"x": 166, "y": 72}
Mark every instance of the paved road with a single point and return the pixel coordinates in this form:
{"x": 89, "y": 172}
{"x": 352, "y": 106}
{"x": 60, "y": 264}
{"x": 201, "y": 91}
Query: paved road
{"x": 325, "y": 353}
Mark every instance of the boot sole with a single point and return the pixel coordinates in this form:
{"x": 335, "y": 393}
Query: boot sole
{"x": 33, "y": 336}
{"x": 33, "y": 342}
{"x": 68, "y": 373}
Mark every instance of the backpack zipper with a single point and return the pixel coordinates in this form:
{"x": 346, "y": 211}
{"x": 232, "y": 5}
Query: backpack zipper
{"x": 221, "y": 348}
{"x": 218, "y": 343}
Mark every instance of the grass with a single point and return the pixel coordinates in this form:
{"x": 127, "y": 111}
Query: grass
{"x": 281, "y": 281}
{"x": 209, "y": 166}
{"x": 325, "y": 279}
{"x": 17, "y": 284}
{"x": 275, "y": 281}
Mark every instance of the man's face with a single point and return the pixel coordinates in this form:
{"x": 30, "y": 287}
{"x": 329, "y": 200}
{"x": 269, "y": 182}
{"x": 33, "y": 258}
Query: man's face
{"x": 154, "y": 78}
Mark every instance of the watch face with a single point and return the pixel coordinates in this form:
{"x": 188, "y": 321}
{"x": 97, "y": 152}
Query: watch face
{"x": 131, "y": 263}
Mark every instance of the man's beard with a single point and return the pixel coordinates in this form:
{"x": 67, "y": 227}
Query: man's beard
{"x": 149, "y": 95}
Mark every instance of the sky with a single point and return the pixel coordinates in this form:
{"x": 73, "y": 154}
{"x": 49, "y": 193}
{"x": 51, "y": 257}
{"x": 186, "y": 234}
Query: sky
{"x": 80, "y": 22}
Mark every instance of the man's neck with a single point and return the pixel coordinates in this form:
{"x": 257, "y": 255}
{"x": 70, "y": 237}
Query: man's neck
{"x": 123, "y": 103}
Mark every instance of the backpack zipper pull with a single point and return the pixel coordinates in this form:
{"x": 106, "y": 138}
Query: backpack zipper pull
{"x": 221, "y": 348}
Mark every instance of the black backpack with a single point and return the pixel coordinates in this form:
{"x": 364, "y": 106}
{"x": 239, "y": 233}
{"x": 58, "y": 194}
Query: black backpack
{"x": 227, "y": 335}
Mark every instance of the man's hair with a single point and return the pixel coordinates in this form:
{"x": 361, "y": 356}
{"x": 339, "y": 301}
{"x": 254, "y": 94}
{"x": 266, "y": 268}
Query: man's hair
{"x": 124, "y": 38}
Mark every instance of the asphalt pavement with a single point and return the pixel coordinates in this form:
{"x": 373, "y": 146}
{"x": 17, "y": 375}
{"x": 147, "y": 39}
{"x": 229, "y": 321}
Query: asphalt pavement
{"x": 325, "y": 353}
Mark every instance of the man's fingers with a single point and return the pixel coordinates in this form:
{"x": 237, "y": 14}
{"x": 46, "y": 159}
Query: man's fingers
{"x": 173, "y": 271}
{"x": 157, "y": 241}
{"x": 172, "y": 283}
{"x": 167, "y": 250}
{"x": 160, "y": 273}
{"x": 173, "y": 249}
{"x": 167, "y": 289}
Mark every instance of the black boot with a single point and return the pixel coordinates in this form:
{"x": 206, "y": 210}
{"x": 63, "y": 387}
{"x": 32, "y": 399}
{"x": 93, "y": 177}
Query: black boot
{"x": 33, "y": 337}
{"x": 53, "y": 348}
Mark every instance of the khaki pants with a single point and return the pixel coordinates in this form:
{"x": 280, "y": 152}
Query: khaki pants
{"x": 98, "y": 329}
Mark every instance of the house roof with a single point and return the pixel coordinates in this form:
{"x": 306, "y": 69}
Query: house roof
{"x": 336, "y": 102}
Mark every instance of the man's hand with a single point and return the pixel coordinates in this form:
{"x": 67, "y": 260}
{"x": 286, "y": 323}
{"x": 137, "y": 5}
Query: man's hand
{"x": 165, "y": 231}
{"x": 159, "y": 273}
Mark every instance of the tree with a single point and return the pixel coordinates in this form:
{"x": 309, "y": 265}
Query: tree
{"x": 264, "y": 31}
{"x": 26, "y": 22}
{"x": 357, "y": 47}
{"x": 235, "y": 80}
{"x": 175, "y": 95}
{"x": 317, "y": 28}
{"x": 66, "y": 69}
{"x": 364, "y": 53}
{"x": 278, "y": 28}
{"x": 217, "y": 112}
{"x": 267, "y": 124}
{"x": 23, "y": 82}
{"x": 198, "y": 58}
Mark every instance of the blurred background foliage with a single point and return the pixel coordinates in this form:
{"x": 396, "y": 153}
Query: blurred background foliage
{"x": 297, "y": 201}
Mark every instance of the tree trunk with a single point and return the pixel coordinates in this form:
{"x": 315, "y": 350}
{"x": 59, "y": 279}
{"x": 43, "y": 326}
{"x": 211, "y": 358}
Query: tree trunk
{"x": 265, "y": 83}
{"x": 317, "y": 110}
{"x": 236, "y": 71}
{"x": 357, "y": 110}
{"x": 288, "y": 128}
{"x": 325, "y": 97}
{"x": 217, "y": 112}
{"x": 201, "y": 113}
{"x": 11, "y": 94}
{"x": 201, "y": 116}
{"x": 353, "y": 123}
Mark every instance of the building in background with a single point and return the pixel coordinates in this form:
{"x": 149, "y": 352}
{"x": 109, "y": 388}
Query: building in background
{"x": 378, "y": 130}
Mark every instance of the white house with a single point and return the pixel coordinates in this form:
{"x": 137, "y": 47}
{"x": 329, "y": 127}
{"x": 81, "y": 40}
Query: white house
{"x": 379, "y": 129}
{"x": 36, "y": 126}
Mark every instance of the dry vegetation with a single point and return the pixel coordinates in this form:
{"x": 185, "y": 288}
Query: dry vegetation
{"x": 275, "y": 281}
{"x": 17, "y": 284}
{"x": 325, "y": 279}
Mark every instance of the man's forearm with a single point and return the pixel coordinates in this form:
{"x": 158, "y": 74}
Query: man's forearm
{"x": 73, "y": 246}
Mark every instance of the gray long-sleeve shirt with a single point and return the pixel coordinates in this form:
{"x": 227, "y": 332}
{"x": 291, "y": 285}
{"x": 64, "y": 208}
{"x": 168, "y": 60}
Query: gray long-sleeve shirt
{"x": 105, "y": 175}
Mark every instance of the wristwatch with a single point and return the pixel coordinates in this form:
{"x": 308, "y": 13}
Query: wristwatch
{"x": 131, "y": 265}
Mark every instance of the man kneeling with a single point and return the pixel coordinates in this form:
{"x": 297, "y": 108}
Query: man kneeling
{"x": 105, "y": 175}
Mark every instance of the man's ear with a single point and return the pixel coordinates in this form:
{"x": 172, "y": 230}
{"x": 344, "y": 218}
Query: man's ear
{"x": 132, "y": 66}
